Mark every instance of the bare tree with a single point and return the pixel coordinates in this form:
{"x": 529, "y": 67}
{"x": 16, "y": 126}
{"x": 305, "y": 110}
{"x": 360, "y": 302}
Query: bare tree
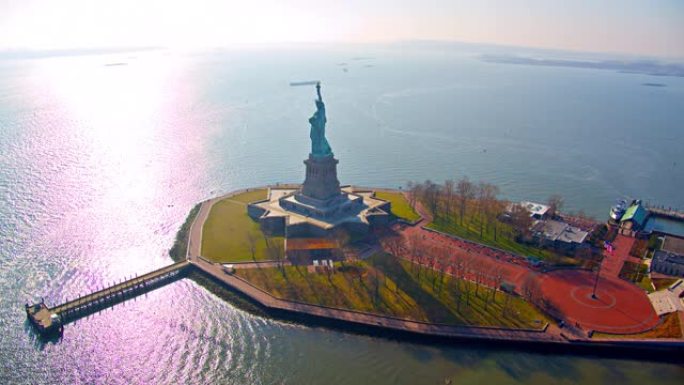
{"x": 467, "y": 289}
{"x": 465, "y": 191}
{"x": 449, "y": 191}
{"x": 376, "y": 286}
{"x": 414, "y": 191}
{"x": 415, "y": 247}
{"x": 497, "y": 279}
{"x": 444, "y": 266}
{"x": 393, "y": 244}
{"x": 479, "y": 278}
{"x": 531, "y": 290}
{"x": 430, "y": 196}
{"x": 455, "y": 287}
{"x": 507, "y": 304}
{"x": 432, "y": 263}
{"x": 252, "y": 244}
{"x": 487, "y": 203}
{"x": 275, "y": 252}
{"x": 521, "y": 220}
{"x": 555, "y": 203}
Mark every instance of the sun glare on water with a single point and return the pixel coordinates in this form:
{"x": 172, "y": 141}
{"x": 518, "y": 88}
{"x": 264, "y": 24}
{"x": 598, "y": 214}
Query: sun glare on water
{"x": 117, "y": 118}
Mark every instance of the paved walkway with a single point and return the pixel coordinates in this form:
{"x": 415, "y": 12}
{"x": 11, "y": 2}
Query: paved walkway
{"x": 612, "y": 262}
{"x": 195, "y": 234}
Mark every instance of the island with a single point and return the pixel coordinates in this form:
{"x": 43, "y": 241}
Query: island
{"x": 433, "y": 262}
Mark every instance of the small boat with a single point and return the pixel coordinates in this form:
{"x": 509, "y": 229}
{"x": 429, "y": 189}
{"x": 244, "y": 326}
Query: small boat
{"x": 618, "y": 210}
{"x": 306, "y": 83}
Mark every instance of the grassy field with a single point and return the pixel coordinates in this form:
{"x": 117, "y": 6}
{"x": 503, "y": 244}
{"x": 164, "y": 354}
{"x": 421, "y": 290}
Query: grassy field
{"x": 646, "y": 284}
{"x": 227, "y": 228}
{"x": 668, "y": 328}
{"x": 504, "y": 239}
{"x": 386, "y": 285}
{"x": 633, "y": 272}
{"x": 400, "y": 206}
{"x": 250, "y": 196}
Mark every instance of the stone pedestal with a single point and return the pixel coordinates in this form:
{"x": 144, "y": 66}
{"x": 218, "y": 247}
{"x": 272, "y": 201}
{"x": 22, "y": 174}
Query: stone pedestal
{"x": 321, "y": 178}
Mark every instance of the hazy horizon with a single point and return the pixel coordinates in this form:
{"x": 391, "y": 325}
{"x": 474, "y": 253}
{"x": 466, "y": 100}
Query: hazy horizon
{"x": 629, "y": 27}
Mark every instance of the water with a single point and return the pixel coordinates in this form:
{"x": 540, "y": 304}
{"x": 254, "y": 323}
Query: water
{"x": 100, "y": 164}
{"x": 666, "y": 225}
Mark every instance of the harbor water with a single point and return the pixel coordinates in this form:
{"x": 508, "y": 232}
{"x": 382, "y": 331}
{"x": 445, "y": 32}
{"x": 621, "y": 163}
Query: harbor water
{"x": 103, "y": 155}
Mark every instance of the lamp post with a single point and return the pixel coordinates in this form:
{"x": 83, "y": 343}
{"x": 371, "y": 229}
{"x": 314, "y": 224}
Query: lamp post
{"x": 598, "y": 273}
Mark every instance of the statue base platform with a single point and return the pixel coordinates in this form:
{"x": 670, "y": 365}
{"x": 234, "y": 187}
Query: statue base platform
{"x": 289, "y": 212}
{"x": 321, "y": 183}
{"x": 340, "y": 203}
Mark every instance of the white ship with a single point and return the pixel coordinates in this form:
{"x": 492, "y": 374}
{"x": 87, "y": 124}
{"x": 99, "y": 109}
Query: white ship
{"x": 618, "y": 209}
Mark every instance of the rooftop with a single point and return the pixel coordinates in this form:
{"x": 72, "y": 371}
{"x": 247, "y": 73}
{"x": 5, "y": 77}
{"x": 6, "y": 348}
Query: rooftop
{"x": 310, "y": 244}
{"x": 535, "y": 208}
{"x": 560, "y": 231}
{"x": 636, "y": 212}
{"x": 674, "y": 245}
{"x": 661, "y": 256}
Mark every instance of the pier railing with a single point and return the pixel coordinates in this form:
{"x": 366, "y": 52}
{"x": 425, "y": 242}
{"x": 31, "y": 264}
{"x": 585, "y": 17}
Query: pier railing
{"x": 666, "y": 212}
{"x": 110, "y": 296}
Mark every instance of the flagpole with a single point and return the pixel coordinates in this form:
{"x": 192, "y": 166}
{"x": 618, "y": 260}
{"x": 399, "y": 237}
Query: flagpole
{"x": 598, "y": 272}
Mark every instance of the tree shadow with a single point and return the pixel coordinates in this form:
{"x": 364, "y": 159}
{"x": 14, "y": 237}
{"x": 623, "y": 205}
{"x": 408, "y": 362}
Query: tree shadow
{"x": 434, "y": 309}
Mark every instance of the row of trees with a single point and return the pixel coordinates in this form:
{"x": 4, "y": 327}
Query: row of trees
{"x": 471, "y": 277}
{"x": 477, "y": 204}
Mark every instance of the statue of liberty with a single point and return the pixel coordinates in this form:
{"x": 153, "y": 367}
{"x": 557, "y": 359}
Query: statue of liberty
{"x": 319, "y": 145}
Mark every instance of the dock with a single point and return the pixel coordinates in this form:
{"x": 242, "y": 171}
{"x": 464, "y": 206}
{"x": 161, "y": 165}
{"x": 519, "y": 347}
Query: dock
{"x": 667, "y": 213}
{"x": 49, "y": 320}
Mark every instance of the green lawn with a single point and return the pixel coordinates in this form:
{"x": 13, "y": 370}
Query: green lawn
{"x": 400, "y": 206}
{"x": 646, "y": 284}
{"x": 250, "y": 196}
{"x": 504, "y": 238}
{"x": 386, "y": 285}
{"x": 633, "y": 272}
{"x": 226, "y": 230}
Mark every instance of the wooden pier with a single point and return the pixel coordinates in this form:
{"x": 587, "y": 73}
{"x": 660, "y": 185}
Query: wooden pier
{"x": 667, "y": 213}
{"x": 51, "y": 319}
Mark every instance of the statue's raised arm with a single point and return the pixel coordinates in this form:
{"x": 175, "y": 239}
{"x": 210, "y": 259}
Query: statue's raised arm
{"x": 319, "y": 145}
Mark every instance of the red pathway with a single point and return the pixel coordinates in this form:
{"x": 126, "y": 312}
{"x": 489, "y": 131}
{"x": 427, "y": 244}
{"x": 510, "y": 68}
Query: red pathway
{"x": 612, "y": 262}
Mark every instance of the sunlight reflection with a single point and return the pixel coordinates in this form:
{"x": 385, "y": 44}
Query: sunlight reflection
{"x": 120, "y": 110}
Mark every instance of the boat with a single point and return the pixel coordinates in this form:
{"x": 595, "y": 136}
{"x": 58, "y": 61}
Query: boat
{"x": 618, "y": 209}
{"x": 306, "y": 83}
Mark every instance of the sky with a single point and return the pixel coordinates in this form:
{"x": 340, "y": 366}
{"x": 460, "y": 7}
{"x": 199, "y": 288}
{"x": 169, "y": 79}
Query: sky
{"x": 640, "y": 27}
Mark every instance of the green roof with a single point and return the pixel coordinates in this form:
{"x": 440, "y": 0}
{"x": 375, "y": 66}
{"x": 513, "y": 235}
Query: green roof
{"x": 636, "y": 213}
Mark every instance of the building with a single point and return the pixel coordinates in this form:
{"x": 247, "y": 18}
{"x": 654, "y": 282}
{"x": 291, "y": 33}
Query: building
{"x": 673, "y": 245}
{"x": 305, "y": 250}
{"x": 634, "y": 219}
{"x": 537, "y": 210}
{"x": 559, "y": 235}
{"x": 668, "y": 263}
{"x": 670, "y": 300}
